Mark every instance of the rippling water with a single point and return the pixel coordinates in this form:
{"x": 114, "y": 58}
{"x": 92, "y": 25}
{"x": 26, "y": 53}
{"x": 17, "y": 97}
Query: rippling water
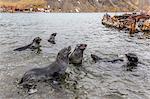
{"x": 95, "y": 81}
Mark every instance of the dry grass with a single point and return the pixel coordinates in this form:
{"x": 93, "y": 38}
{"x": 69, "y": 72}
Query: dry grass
{"x": 24, "y": 3}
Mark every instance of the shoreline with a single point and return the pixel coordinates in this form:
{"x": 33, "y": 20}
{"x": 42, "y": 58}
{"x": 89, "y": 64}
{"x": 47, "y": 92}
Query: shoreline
{"x": 75, "y": 12}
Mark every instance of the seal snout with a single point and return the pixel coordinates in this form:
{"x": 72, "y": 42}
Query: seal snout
{"x": 54, "y": 34}
{"x": 82, "y": 46}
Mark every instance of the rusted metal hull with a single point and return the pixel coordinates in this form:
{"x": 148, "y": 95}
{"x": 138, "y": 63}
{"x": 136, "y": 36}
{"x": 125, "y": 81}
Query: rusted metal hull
{"x": 132, "y": 22}
{"x": 146, "y": 25}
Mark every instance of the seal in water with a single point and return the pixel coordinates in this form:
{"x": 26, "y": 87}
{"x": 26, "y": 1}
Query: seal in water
{"x": 130, "y": 58}
{"x": 132, "y": 61}
{"x": 33, "y": 46}
{"x": 57, "y": 68}
{"x": 76, "y": 56}
{"x": 52, "y": 38}
{"x": 97, "y": 58}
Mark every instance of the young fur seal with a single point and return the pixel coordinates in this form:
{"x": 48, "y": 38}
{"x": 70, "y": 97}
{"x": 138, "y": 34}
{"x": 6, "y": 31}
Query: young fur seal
{"x": 58, "y": 67}
{"x": 52, "y": 38}
{"x": 33, "y": 46}
{"x": 131, "y": 58}
{"x": 97, "y": 58}
{"x": 76, "y": 56}
{"x": 132, "y": 61}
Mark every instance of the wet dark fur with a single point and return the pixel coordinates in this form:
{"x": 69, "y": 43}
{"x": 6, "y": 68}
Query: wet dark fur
{"x": 97, "y": 58}
{"x": 58, "y": 67}
{"x": 76, "y": 56}
{"x": 52, "y": 38}
{"x": 132, "y": 60}
{"x": 34, "y": 45}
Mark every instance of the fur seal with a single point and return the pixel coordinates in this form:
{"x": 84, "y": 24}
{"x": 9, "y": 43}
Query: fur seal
{"x": 76, "y": 56}
{"x": 57, "y": 68}
{"x": 52, "y": 38}
{"x": 131, "y": 60}
{"x": 33, "y": 46}
{"x": 97, "y": 58}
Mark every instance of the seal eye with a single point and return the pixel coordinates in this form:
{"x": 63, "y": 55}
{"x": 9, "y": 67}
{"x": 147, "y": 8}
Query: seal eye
{"x": 58, "y": 54}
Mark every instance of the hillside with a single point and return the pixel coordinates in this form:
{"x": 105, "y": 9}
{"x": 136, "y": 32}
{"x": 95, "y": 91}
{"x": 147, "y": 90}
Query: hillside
{"x": 80, "y": 5}
{"x": 95, "y": 5}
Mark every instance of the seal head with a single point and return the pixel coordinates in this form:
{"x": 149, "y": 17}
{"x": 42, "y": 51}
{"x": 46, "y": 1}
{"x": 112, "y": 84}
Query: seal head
{"x": 52, "y": 38}
{"x": 132, "y": 59}
{"x": 76, "y": 56}
{"x": 36, "y": 43}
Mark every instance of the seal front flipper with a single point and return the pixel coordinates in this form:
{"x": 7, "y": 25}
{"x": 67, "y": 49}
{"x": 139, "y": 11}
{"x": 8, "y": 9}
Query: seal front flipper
{"x": 22, "y": 48}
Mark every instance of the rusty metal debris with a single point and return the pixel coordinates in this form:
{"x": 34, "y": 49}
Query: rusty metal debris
{"x": 134, "y": 22}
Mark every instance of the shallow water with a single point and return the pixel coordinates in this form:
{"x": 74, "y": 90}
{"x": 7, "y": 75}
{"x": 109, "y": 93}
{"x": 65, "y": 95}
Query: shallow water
{"x": 94, "y": 81}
